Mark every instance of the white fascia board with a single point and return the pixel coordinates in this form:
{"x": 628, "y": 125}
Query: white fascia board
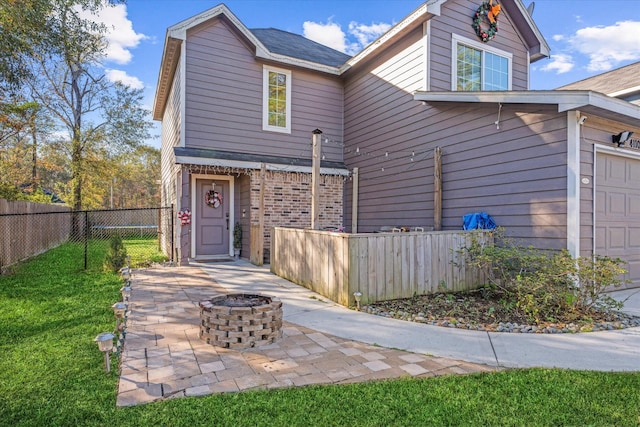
{"x": 256, "y": 165}
{"x": 545, "y": 50}
{"x": 431, "y": 6}
{"x": 263, "y": 53}
{"x": 179, "y": 30}
{"x": 566, "y": 100}
{"x": 616, "y": 105}
{"x": 623, "y": 92}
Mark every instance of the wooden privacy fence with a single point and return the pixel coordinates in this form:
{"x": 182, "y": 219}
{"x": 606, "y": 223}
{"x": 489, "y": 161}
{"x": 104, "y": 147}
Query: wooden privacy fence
{"x": 28, "y": 229}
{"x": 382, "y": 266}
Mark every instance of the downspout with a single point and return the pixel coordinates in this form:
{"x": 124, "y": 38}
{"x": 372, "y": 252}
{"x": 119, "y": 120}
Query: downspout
{"x": 573, "y": 183}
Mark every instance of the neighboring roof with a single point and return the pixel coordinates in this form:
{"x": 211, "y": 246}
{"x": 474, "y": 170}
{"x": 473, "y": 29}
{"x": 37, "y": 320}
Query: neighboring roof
{"x": 202, "y": 156}
{"x": 619, "y": 83}
{"x": 297, "y": 46}
{"x": 584, "y": 100}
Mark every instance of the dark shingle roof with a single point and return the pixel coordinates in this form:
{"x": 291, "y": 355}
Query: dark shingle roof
{"x": 205, "y": 153}
{"x": 297, "y": 46}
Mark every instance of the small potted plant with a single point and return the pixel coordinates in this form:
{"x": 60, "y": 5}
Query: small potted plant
{"x": 237, "y": 240}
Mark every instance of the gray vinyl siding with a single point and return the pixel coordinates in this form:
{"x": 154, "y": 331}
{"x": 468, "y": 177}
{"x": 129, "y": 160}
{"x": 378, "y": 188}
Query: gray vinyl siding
{"x": 224, "y": 99}
{"x": 456, "y": 18}
{"x": 516, "y": 173}
{"x": 171, "y": 123}
{"x": 380, "y": 115}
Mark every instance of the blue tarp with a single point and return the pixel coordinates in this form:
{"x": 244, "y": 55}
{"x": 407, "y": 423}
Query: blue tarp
{"x": 477, "y": 220}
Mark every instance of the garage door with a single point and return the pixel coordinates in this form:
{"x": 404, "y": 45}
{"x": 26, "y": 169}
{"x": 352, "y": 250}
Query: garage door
{"x": 618, "y": 211}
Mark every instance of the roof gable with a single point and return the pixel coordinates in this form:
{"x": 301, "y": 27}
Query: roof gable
{"x": 317, "y": 58}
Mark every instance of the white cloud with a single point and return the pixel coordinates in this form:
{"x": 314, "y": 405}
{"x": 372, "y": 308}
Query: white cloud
{"x": 121, "y": 36}
{"x": 122, "y": 77}
{"x": 608, "y": 46}
{"x": 365, "y": 34}
{"x": 560, "y": 63}
{"x": 329, "y": 34}
{"x": 332, "y": 35}
{"x": 558, "y": 37}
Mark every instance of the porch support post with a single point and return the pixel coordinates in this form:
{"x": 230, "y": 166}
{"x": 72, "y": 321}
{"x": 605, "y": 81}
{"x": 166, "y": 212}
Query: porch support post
{"x": 437, "y": 189}
{"x": 260, "y": 240}
{"x": 354, "y": 202}
{"x": 573, "y": 183}
{"x": 315, "y": 179}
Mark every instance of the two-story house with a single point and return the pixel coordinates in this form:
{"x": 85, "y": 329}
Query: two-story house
{"x": 238, "y": 107}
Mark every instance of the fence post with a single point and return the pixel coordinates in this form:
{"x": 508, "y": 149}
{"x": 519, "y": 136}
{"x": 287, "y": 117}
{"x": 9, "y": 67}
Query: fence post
{"x": 86, "y": 237}
{"x": 159, "y": 233}
{"x": 172, "y": 232}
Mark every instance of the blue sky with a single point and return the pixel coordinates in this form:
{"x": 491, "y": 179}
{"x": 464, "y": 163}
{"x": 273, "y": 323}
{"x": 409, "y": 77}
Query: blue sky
{"x": 586, "y": 37}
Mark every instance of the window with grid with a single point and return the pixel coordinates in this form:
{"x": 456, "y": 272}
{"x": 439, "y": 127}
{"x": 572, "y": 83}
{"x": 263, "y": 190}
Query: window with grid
{"x": 276, "y": 100}
{"x": 476, "y": 67}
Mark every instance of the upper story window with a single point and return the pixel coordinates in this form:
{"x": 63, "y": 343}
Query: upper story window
{"x": 477, "y": 66}
{"x": 276, "y": 102}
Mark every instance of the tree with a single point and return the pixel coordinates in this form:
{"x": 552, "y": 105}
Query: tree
{"x": 69, "y": 83}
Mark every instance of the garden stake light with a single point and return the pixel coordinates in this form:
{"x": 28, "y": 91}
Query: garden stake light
{"x": 118, "y": 309}
{"x": 357, "y": 295}
{"x": 105, "y": 344}
{"x": 126, "y": 293}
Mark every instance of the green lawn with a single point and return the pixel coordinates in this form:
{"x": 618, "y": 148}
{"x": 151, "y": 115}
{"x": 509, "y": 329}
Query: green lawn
{"x": 51, "y": 374}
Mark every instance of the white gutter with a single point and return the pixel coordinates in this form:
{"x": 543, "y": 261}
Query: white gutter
{"x": 566, "y": 100}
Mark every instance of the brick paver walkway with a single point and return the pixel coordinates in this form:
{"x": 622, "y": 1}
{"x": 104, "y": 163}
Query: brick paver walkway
{"x": 164, "y": 358}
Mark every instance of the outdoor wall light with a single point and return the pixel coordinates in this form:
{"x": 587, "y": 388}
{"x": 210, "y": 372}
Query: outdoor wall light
{"x": 105, "y": 344}
{"x": 621, "y": 138}
{"x": 118, "y": 309}
{"x": 126, "y": 293}
{"x": 358, "y": 296}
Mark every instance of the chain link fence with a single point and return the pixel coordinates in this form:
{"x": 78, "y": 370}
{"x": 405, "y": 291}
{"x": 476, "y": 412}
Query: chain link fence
{"x": 84, "y": 236}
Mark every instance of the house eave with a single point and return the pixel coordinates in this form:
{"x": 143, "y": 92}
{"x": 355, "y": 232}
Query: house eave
{"x": 565, "y": 100}
{"x": 537, "y": 45}
{"x": 224, "y": 159}
{"x": 431, "y": 7}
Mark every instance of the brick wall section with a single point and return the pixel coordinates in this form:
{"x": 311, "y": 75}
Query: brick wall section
{"x": 287, "y": 201}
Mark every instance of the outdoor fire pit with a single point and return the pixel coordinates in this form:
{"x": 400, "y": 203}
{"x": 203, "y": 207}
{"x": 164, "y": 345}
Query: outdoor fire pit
{"x": 239, "y": 321}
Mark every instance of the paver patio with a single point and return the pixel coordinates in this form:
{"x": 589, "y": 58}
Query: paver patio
{"x": 164, "y": 358}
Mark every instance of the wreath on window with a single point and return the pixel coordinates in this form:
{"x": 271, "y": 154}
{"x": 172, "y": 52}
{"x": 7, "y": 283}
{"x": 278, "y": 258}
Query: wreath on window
{"x": 486, "y": 13}
{"x": 213, "y": 199}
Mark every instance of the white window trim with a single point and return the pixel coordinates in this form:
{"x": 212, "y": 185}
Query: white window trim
{"x": 265, "y": 99}
{"x": 456, "y": 39}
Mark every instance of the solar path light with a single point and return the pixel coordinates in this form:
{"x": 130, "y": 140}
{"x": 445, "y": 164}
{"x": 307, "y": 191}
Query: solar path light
{"x": 358, "y": 296}
{"x": 105, "y": 344}
{"x": 118, "y": 309}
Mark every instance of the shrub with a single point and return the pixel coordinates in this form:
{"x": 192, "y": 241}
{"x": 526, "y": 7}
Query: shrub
{"x": 237, "y": 236}
{"x": 544, "y": 285}
{"x": 117, "y": 254}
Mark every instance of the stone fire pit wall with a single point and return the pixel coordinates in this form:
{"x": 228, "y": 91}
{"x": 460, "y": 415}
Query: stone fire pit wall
{"x": 239, "y": 321}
